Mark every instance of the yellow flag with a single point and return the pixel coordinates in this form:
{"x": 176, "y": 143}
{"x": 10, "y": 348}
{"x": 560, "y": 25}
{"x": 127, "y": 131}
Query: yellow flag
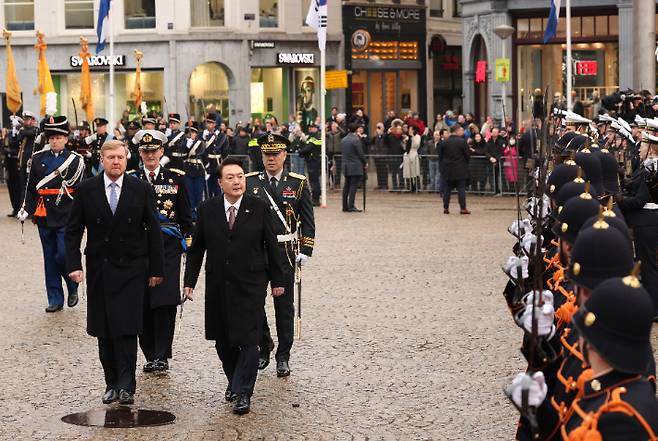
{"x": 46, "y": 88}
{"x": 137, "y": 90}
{"x": 86, "y": 100}
{"x": 13, "y": 89}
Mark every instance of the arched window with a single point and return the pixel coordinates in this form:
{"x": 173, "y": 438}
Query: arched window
{"x": 209, "y": 90}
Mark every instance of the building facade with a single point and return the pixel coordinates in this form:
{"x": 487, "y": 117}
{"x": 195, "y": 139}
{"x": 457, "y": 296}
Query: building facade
{"x": 605, "y": 58}
{"x": 248, "y": 58}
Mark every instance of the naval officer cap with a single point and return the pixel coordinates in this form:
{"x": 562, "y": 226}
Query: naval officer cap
{"x": 272, "y": 143}
{"x": 149, "y": 139}
{"x": 56, "y": 125}
{"x": 573, "y": 119}
{"x": 101, "y": 122}
{"x": 649, "y": 138}
{"x": 27, "y": 114}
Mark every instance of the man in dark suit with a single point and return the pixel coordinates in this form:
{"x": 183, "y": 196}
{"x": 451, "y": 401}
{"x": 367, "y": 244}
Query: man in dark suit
{"x": 495, "y": 148}
{"x": 175, "y": 218}
{"x": 124, "y": 251}
{"x": 237, "y": 232}
{"x": 354, "y": 163}
{"x": 453, "y": 166}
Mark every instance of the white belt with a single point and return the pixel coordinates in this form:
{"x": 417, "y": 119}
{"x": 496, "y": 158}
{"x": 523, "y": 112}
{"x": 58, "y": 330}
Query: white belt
{"x": 650, "y": 206}
{"x": 178, "y": 155}
{"x": 214, "y": 156}
{"x": 194, "y": 161}
{"x": 285, "y": 237}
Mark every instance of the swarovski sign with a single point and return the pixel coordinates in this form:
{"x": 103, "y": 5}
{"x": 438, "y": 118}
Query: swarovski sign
{"x": 295, "y": 58}
{"x": 100, "y": 61}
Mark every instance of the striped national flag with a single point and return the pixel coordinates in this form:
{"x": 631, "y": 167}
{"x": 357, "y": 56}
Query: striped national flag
{"x": 551, "y": 24}
{"x": 103, "y": 27}
{"x": 317, "y": 19}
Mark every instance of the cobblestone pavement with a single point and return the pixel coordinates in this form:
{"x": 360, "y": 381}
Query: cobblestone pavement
{"x": 405, "y": 337}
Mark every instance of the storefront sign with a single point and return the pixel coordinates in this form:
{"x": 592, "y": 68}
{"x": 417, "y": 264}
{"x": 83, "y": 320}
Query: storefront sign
{"x": 384, "y": 20}
{"x": 262, "y": 44}
{"x": 296, "y": 58}
{"x": 481, "y": 71}
{"x": 335, "y": 79}
{"x": 502, "y": 70}
{"x": 99, "y": 61}
{"x": 587, "y": 68}
{"x": 391, "y": 13}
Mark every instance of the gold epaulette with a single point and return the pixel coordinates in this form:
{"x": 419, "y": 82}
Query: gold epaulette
{"x": 251, "y": 174}
{"x": 177, "y": 171}
{"x": 296, "y": 175}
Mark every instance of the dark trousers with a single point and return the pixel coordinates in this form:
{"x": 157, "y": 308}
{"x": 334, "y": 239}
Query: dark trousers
{"x": 194, "y": 186}
{"x": 118, "y": 356}
{"x": 396, "y": 172}
{"x": 349, "y": 191}
{"x": 460, "y": 185}
{"x": 23, "y": 183}
{"x": 313, "y": 167}
{"x": 213, "y": 185}
{"x": 158, "y": 332}
{"x": 645, "y": 238}
{"x": 14, "y": 184}
{"x": 240, "y": 366}
{"x": 382, "y": 173}
{"x": 284, "y": 314}
{"x": 54, "y": 262}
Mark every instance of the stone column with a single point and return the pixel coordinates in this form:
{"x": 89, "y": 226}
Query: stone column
{"x": 644, "y": 39}
{"x": 626, "y": 35}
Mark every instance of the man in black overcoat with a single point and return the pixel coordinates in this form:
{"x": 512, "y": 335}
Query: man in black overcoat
{"x": 124, "y": 252}
{"x": 453, "y": 166}
{"x": 237, "y": 233}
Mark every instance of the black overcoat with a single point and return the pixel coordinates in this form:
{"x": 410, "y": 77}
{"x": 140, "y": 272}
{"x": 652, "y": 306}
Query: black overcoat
{"x": 453, "y": 158}
{"x": 122, "y": 251}
{"x": 239, "y": 264}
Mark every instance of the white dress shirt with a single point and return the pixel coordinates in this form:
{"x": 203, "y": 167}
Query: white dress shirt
{"x": 156, "y": 171}
{"x": 228, "y": 205}
{"x": 108, "y": 181}
{"x": 277, "y": 176}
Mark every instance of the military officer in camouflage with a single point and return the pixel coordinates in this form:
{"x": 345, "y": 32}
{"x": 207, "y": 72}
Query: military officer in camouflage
{"x": 289, "y": 197}
{"x": 175, "y": 217}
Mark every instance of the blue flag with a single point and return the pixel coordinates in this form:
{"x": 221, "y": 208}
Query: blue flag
{"x": 103, "y": 26}
{"x": 551, "y": 24}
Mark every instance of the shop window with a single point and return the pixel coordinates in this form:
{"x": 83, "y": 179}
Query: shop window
{"x": 457, "y": 8}
{"x": 139, "y": 14}
{"x": 305, "y": 5}
{"x": 208, "y": 89}
{"x": 436, "y": 8}
{"x": 79, "y": 14}
{"x": 19, "y": 15}
{"x": 207, "y": 13}
{"x": 613, "y": 25}
{"x": 307, "y": 96}
{"x": 269, "y": 13}
{"x": 601, "y": 24}
{"x": 536, "y": 28}
{"x": 576, "y": 30}
{"x": 269, "y": 95}
{"x": 522, "y": 28}
{"x": 588, "y": 27}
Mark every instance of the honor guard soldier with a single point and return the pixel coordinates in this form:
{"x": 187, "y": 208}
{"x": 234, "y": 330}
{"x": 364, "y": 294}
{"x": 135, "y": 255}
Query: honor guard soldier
{"x": 11, "y": 148}
{"x": 54, "y": 174}
{"x": 312, "y": 152}
{"x": 77, "y": 144}
{"x": 195, "y": 172}
{"x": 26, "y": 139}
{"x": 176, "y": 224}
{"x": 176, "y": 145}
{"x": 288, "y": 195}
{"x": 94, "y": 144}
{"x": 255, "y": 155}
{"x": 149, "y": 122}
{"x": 133, "y": 148}
{"x": 216, "y": 147}
{"x": 618, "y": 402}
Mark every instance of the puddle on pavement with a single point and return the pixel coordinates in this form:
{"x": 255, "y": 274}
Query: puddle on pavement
{"x": 120, "y": 417}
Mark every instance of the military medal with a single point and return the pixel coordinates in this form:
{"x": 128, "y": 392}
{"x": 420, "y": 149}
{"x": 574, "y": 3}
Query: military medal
{"x": 256, "y": 190}
{"x": 168, "y": 204}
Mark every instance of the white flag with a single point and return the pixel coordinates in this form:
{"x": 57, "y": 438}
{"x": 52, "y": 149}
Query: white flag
{"x": 317, "y": 19}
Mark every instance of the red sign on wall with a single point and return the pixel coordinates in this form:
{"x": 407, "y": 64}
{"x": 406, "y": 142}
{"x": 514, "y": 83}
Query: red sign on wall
{"x": 481, "y": 71}
{"x": 587, "y": 68}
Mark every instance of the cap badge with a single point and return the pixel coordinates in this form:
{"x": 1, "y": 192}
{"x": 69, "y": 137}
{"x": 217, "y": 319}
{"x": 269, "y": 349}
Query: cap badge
{"x": 596, "y": 385}
{"x": 552, "y": 188}
{"x": 147, "y": 138}
{"x": 576, "y": 268}
{"x": 270, "y": 138}
{"x": 565, "y": 227}
{"x": 590, "y": 318}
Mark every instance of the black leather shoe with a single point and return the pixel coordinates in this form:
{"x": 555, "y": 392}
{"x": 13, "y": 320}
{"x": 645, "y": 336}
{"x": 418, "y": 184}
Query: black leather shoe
{"x": 54, "y": 308}
{"x": 354, "y": 210}
{"x": 263, "y": 362}
{"x": 149, "y": 366}
{"x": 161, "y": 365}
{"x": 229, "y": 395}
{"x": 73, "y": 299}
{"x": 242, "y": 405}
{"x": 282, "y": 369}
{"x": 14, "y": 214}
{"x": 110, "y": 396}
{"x": 126, "y": 397}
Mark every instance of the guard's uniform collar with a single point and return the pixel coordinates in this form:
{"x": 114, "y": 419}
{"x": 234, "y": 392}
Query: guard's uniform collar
{"x": 610, "y": 380}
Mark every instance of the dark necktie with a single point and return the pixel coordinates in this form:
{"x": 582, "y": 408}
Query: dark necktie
{"x": 231, "y": 217}
{"x": 151, "y": 177}
{"x": 273, "y": 182}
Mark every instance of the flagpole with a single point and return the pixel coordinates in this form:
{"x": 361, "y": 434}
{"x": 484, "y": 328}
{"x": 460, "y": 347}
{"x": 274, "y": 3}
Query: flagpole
{"x": 111, "y": 112}
{"x": 569, "y": 61}
{"x": 323, "y": 92}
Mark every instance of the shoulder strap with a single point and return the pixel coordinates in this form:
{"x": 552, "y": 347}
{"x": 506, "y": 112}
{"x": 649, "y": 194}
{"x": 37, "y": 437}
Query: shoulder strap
{"x": 176, "y": 138}
{"x": 278, "y": 212}
{"x": 56, "y": 172}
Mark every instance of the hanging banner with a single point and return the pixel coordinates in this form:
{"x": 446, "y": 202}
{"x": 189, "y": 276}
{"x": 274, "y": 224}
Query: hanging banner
{"x": 502, "y": 70}
{"x": 481, "y": 71}
{"x": 335, "y": 79}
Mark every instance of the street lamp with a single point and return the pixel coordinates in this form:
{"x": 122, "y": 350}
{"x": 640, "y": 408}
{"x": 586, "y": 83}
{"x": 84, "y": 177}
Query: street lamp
{"x": 503, "y": 32}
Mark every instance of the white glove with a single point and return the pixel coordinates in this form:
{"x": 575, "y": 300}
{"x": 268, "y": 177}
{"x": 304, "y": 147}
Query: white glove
{"x": 167, "y": 132}
{"x": 164, "y": 161}
{"x": 22, "y": 215}
{"x": 529, "y": 243}
{"x": 512, "y": 266}
{"x": 537, "y": 389}
{"x": 189, "y": 142}
{"x": 545, "y": 315}
{"x": 492, "y": 160}
{"x": 301, "y": 259}
{"x": 88, "y": 155}
{"x": 533, "y": 203}
{"x": 514, "y": 228}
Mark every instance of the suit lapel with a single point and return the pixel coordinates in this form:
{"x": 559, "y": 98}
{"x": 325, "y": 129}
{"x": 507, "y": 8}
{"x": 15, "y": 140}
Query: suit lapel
{"x": 126, "y": 195}
{"x": 102, "y": 199}
{"x": 243, "y": 213}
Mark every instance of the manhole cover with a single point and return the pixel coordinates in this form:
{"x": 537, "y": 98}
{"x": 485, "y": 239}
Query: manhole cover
{"x": 120, "y": 417}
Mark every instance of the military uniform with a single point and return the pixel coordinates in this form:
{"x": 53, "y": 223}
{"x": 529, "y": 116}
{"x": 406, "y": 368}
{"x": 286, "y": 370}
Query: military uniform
{"x": 11, "y": 150}
{"x": 50, "y": 192}
{"x": 176, "y": 224}
{"x": 195, "y": 172}
{"x": 133, "y": 147}
{"x": 26, "y": 140}
{"x": 94, "y": 143}
{"x": 292, "y": 212}
{"x": 176, "y": 146}
{"x": 217, "y": 147}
